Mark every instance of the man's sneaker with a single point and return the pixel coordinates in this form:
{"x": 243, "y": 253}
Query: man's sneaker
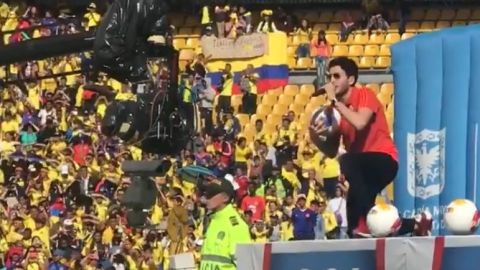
{"x": 423, "y": 224}
{"x": 362, "y": 230}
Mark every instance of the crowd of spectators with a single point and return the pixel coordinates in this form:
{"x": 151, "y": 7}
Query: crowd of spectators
{"x": 61, "y": 181}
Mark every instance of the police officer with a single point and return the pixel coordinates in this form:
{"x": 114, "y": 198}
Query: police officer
{"x": 225, "y": 230}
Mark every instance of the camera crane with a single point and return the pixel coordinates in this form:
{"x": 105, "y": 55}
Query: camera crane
{"x": 121, "y": 49}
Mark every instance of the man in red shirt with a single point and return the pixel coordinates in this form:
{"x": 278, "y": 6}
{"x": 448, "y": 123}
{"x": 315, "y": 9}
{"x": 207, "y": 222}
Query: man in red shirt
{"x": 254, "y": 203}
{"x": 371, "y": 161}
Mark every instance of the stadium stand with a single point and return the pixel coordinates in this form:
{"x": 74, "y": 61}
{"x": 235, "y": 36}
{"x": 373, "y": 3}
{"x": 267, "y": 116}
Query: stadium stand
{"x": 58, "y": 145}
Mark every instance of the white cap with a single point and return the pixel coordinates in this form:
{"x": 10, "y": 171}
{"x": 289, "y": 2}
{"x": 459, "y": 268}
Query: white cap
{"x": 64, "y": 169}
{"x": 32, "y": 168}
{"x": 68, "y": 222}
{"x": 230, "y": 179}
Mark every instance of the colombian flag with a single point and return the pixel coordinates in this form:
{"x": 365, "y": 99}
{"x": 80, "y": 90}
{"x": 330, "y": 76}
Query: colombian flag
{"x": 272, "y": 68}
{"x": 270, "y": 77}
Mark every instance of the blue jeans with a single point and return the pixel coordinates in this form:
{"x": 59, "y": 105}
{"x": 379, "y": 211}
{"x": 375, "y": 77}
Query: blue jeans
{"x": 320, "y": 62}
{"x": 303, "y": 50}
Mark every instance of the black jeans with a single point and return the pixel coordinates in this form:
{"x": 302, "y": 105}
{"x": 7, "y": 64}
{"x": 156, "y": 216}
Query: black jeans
{"x": 368, "y": 174}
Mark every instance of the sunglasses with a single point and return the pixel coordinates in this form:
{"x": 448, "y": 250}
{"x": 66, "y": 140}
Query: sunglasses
{"x": 334, "y": 75}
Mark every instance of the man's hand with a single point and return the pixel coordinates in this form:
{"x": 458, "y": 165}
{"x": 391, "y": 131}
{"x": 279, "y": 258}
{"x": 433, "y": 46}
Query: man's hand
{"x": 330, "y": 91}
{"x": 317, "y": 129}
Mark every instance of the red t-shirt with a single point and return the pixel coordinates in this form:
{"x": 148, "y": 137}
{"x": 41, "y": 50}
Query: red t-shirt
{"x": 375, "y": 137}
{"x": 256, "y": 204}
{"x": 242, "y": 182}
{"x": 80, "y": 151}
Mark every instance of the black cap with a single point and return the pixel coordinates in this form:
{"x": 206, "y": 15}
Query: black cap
{"x": 218, "y": 186}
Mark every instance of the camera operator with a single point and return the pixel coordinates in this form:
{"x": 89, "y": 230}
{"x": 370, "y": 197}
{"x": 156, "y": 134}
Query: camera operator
{"x": 206, "y": 97}
{"x": 248, "y": 85}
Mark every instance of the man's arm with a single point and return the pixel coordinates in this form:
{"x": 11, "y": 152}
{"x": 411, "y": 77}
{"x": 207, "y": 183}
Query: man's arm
{"x": 358, "y": 119}
{"x": 365, "y": 112}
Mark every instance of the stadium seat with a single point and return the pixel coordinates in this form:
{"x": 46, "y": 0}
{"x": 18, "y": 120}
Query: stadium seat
{"x": 367, "y": 61}
{"x": 442, "y": 24}
{"x": 376, "y": 39}
{"x": 447, "y": 14}
{"x": 192, "y": 21}
{"x": 355, "y": 50}
{"x": 374, "y": 87}
{"x": 185, "y": 31}
{"x": 407, "y": 35}
{"x": 269, "y": 99}
{"x": 292, "y": 63}
{"x": 384, "y": 50}
{"x": 319, "y": 26}
{"x": 182, "y": 65}
{"x": 390, "y": 122}
{"x": 264, "y": 109}
{"x": 177, "y": 20}
{"x": 274, "y": 119}
{"x": 371, "y": 50}
{"x": 390, "y": 108}
{"x": 304, "y": 63}
{"x": 197, "y": 31}
{"x": 270, "y": 128}
{"x": 334, "y": 27}
{"x": 289, "y": 40}
{"x": 459, "y": 23}
{"x": 296, "y": 108}
{"x": 236, "y": 101}
{"x": 276, "y": 91}
{"x": 318, "y": 101}
{"x": 475, "y": 15}
{"x": 243, "y": 119}
{"x": 392, "y": 38}
{"x": 291, "y": 51}
{"x": 310, "y": 108}
{"x": 387, "y": 89}
{"x": 280, "y": 108}
{"x": 427, "y": 26}
{"x": 339, "y": 15}
{"x": 385, "y": 100}
{"x": 394, "y": 26}
{"x": 417, "y": 14}
{"x": 302, "y": 118}
{"x": 192, "y": 42}
{"x": 186, "y": 54}
{"x": 412, "y": 26}
{"x": 301, "y": 99}
{"x": 299, "y": 40}
{"x": 291, "y": 90}
{"x": 285, "y": 99}
{"x": 307, "y": 89}
{"x": 249, "y": 134}
{"x": 325, "y": 16}
{"x": 340, "y": 50}
{"x": 383, "y": 62}
{"x": 432, "y": 14}
{"x": 249, "y": 126}
{"x": 332, "y": 38}
{"x": 463, "y": 14}
{"x": 311, "y": 15}
{"x": 360, "y": 38}
{"x": 179, "y": 43}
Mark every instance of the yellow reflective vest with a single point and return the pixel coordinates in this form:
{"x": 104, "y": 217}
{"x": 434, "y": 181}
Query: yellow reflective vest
{"x": 226, "y": 229}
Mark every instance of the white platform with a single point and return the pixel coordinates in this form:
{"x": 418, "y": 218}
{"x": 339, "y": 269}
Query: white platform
{"x": 416, "y": 253}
